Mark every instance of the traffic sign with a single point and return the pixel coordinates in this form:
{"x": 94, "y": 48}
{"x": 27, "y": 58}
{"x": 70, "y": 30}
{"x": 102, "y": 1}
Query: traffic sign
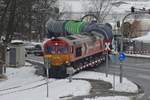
{"x": 122, "y": 56}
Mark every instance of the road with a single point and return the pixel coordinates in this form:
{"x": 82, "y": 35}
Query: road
{"x": 135, "y": 69}
{"x": 37, "y": 58}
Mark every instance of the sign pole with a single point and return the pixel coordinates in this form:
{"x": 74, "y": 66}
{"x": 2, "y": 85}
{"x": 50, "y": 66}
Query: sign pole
{"x": 121, "y": 58}
{"x": 47, "y": 65}
{"x": 121, "y": 72}
{"x": 106, "y": 63}
{"x": 107, "y": 44}
{"x": 47, "y": 72}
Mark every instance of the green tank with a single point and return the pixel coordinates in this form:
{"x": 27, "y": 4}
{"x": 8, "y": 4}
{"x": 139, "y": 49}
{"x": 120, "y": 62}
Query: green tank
{"x": 74, "y": 27}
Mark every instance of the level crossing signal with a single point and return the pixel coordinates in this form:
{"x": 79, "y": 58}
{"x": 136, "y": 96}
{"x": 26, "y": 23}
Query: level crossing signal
{"x": 107, "y": 45}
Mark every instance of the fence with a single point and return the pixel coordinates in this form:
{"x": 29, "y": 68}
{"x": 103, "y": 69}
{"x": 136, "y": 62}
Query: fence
{"x": 137, "y": 47}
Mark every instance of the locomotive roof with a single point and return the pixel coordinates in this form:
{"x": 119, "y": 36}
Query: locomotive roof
{"x": 76, "y": 39}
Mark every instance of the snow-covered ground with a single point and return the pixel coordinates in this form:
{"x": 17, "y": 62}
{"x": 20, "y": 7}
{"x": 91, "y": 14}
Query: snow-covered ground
{"x": 125, "y": 86}
{"x": 108, "y": 98}
{"x": 23, "y": 84}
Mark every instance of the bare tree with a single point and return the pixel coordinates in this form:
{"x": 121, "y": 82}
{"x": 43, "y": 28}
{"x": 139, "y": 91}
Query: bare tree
{"x": 3, "y": 13}
{"x": 42, "y": 10}
{"x": 18, "y": 16}
{"x": 100, "y": 8}
{"x": 65, "y": 12}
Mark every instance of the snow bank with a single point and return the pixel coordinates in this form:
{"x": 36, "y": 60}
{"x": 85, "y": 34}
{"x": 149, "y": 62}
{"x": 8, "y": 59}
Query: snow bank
{"x": 57, "y": 89}
{"x": 23, "y": 84}
{"x": 108, "y": 98}
{"x": 125, "y": 86}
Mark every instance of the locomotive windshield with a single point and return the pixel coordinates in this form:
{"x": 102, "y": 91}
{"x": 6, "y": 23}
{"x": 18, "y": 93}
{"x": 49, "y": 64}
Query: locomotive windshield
{"x": 57, "y": 49}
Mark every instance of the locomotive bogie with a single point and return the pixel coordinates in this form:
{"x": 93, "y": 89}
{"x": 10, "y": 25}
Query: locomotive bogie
{"x": 88, "y": 62}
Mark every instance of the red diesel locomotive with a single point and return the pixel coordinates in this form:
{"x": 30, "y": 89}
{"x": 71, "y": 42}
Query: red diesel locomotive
{"x": 74, "y": 51}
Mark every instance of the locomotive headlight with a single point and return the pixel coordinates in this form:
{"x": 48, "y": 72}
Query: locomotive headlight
{"x": 67, "y": 62}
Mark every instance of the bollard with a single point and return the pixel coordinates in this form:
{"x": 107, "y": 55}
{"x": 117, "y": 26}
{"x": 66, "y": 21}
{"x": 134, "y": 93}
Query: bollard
{"x": 70, "y": 71}
{"x": 70, "y": 78}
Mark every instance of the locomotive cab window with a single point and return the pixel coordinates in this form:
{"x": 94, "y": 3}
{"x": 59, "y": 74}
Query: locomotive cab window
{"x": 51, "y": 49}
{"x": 78, "y": 51}
{"x": 62, "y": 49}
{"x": 57, "y": 49}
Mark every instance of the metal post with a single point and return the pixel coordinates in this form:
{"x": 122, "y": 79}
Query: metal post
{"x": 106, "y": 70}
{"x": 114, "y": 83}
{"x": 121, "y": 72}
{"x": 47, "y": 65}
{"x": 47, "y": 72}
{"x": 70, "y": 77}
{"x": 70, "y": 71}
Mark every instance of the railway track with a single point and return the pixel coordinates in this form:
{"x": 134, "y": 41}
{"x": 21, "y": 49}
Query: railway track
{"x": 26, "y": 87}
{"x": 40, "y": 66}
{"x": 19, "y": 90}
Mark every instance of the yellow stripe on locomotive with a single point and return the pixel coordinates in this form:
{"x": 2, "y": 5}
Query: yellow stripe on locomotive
{"x": 58, "y": 59}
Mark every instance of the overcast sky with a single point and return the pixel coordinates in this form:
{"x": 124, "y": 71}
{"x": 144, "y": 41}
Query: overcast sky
{"x": 81, "y": 5}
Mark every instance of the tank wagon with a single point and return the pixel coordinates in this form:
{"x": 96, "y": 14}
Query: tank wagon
{"x": 64, "y": 28}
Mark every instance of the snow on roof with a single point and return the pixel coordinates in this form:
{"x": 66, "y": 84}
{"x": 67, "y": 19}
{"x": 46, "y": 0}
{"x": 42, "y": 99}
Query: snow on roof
{"x": 36, "y": 43}
{"x": 16, "y": 41}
